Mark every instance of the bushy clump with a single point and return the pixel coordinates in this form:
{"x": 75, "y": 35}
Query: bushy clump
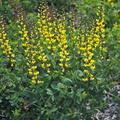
{"x": 53, "y": 66}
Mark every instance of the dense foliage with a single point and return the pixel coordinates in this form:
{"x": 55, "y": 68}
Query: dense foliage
{"x": 57, "y": 65}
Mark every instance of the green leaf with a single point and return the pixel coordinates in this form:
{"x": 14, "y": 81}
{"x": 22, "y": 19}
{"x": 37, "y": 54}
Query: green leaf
{"x": 49, "y": 92}
{"x": 67, "y": 80}
{"x": 52, "y": 111}
{"x": 0, "y": 101}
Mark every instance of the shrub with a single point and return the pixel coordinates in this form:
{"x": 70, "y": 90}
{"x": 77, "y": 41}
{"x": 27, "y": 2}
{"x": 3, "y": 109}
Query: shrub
{"x": 53, "y": 67}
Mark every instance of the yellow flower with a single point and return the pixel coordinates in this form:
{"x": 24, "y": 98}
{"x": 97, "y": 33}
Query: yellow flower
{"x": 60, "y": 64}
{"x": 86, "y": 71}
{"x": 48, "y": 71}
{"x": 78, "y": 52}
{"x": 63, "y": 70}
{"x": 34, "y": 67}
{"x": 92, "y": 67}
{"x": 54, "y": 47}
{"x": 52, "y": 53}
{"x": 86, "y": 60}
{"x": 20, "y": 32}
{"x": 103, "y": 36}
{"x": 40, "y": 58}
{"x": 92, "y": 78}
{"x": 109, "y": 1}
{"x": 43, "y": 66}
{"x": 33, "y": 61}
{"x": 13, "y": 61}
{"x": 44, "y": 59}
{"x": 34, "y": 81}
{"x": 36, "y": 73}
{"x": 115, "y": 26}
{"x": 40, "y": 81}
{"x": 67, "y": 59}
{"x": 48, "y": 47}
{"x": 66, "y": 65}
{"x": 112, "y": 4}
{"x": 33, "y": 78}
{"x": 85, "y": 54}
{"x": 31, "y": 73}
{"x": 61, "y": 60}
{"x": 12, "y": 65}
{"x": 84, "y": 79}
{"x": 48, "y": 65}
{"x": 2, "y": 46}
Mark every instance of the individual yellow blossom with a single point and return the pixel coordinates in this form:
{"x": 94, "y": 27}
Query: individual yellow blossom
{"x": 43, "y": 66}
{"x": 60, "y": 64}
{"x": 115, "y": 26}
{"x": 63, "y": 70}
{"x": 61, "y": 60}
{"x": 48, "y": 65}
{"x": 49, "y": 47}
{"x": 112, "y": 4}
{"x": 109, "y": 1}
{"x": 67, "y": 59}
{"x": 92, "y": 67}
{"x": 66, "y": 65}
{"x": 34, "y": 81}
{"x": 86, "y": 71}
{"x": 48, "y": 71}
{"x": 85, "y": 79}
{"x": 40, "y": 81}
